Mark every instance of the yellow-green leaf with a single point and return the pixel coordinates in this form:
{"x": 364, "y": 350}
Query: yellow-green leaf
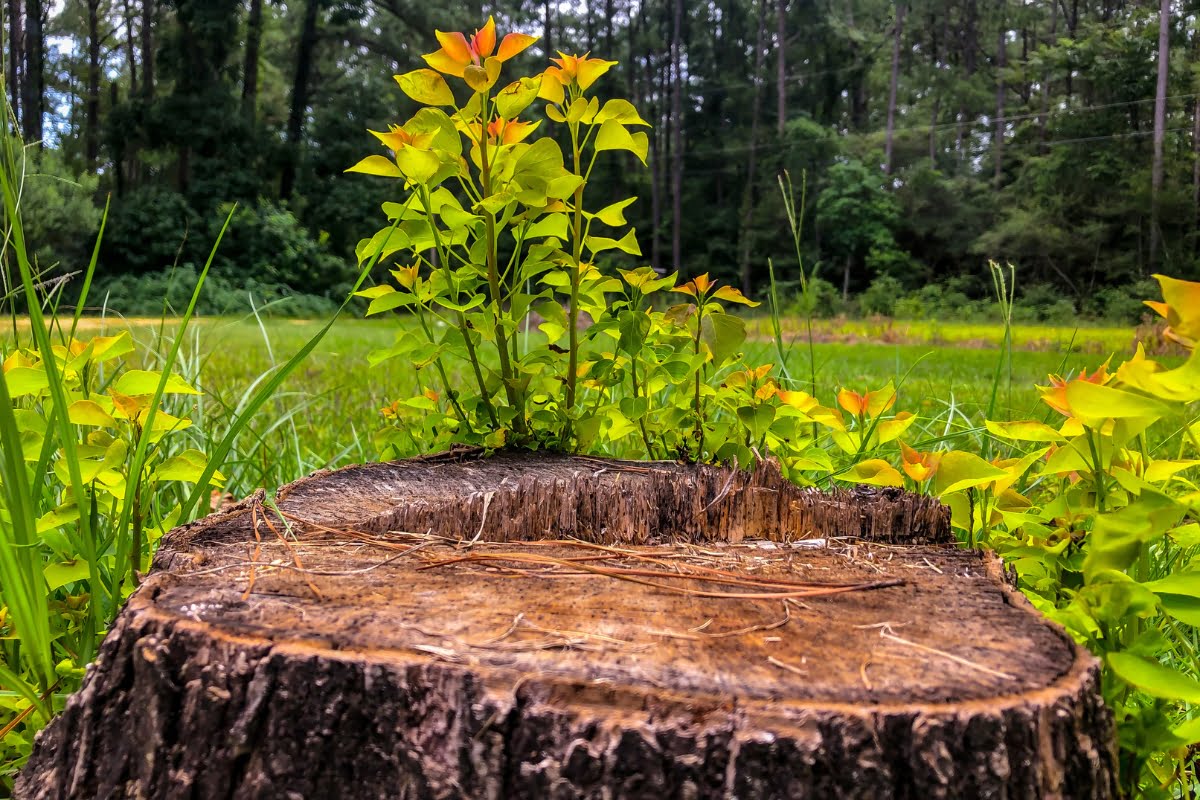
{"x": 187, "y": 466}
{"x": 427, "y": 87}
{"x": 140, "y": 381}
{"x": 377, "y": 165}
{"x": 1024, "y": 431}
{"x": 627, "y": 243}
{"x": 874, "y": 472}
{"x": 732, "y": 295}
{"x": 614, "y": 215}
{"x": 59, "y": 575}
{"x": 1093, "y": 403}
{"x": 959, "y": 470}
{"x": 89, "y": 412}
{"x": 22, "y": 381}
{"x": 613, "y": 136}
{"x": 1153, "y": 678}
{"x": 517, "y": 96}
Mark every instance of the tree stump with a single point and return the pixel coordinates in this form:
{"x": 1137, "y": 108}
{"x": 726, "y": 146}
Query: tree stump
{"x": 539, "y": 626}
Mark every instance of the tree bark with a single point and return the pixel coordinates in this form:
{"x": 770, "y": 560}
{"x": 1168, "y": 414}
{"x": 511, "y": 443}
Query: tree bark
{"x": 92, "y": 104}
{"x": 658, "y": 150}
{"x": 33, "y": 78}
{"x": 1160, "y": 124}
{"x": 508, "y": 650}
{"x": 1196, "y": 148}
{"x": 1044, "y": 112}
{"x": 745, "y": 243}
{"x": 16, "y": 57}
{"x": 250, "y": 68}
{"x": 893, "y": 84}
{"x": 780, "y": 67}
{"x": 149, "y": 13}
{"x": 299, "y": 109}
{"x": 677, "y": 135}
{"x": 1001, "y": 92}
{"x": 130, "y": 48}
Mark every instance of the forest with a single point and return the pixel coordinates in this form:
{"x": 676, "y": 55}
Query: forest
{"x": 925, "y": 137}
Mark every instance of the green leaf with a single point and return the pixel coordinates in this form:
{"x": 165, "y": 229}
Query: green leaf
{"x": 724, "y": 335}
{"x": 757, "y": 419}
{"x": 426, "y": 87}
{"x": 59, "y": 575}
{"x": 22, "y": 381}
{"x": 377, "y": 165}
{"x": 1117, "y": 538}
{"x": 139, "y": 382}
{"x": 1185, "y": 608}
{"x": 187, "y": 466}
{"x": 959, "y": 471}
{"x": 1186, "y": 583}
{"x": 1153, "y": 678}
{"x": 634, "y": 327}
{"x": 390, "y": 301}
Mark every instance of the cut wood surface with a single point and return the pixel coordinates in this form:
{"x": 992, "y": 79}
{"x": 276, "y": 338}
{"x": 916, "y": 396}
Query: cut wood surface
{"x": 562, "y": 627}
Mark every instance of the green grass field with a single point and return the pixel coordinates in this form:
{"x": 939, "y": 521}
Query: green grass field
{"x": 330, "y": 408}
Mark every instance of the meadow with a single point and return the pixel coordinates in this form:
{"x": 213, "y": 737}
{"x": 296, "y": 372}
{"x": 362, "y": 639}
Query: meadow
{"x": 328, "y": 411}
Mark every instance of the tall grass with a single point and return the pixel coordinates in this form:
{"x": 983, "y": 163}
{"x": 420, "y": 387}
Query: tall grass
{"x": 103, "y": 446}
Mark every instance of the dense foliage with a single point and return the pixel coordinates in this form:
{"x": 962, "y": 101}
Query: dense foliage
{"x": 934, "y": 135}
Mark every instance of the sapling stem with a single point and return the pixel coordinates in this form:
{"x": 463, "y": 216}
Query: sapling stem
{"x": 515, "y": 396}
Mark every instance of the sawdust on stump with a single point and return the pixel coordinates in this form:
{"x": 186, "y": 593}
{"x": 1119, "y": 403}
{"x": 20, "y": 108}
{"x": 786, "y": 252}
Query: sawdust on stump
{"x": 534, "y": 626}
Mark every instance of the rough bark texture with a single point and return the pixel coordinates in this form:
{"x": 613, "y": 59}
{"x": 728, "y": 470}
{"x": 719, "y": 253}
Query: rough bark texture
{"x": 468, "y": 628}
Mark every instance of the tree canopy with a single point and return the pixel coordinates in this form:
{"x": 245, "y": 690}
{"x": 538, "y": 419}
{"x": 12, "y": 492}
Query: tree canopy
{"x": 933, "y": 135}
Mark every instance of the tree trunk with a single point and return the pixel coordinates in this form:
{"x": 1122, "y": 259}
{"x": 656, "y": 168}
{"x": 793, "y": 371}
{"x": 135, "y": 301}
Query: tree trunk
{"x": 548, "y": 28}
{"x": 250, "y": 70}
{"x": 149, "y": 14}
{"x": 130, "y": 48}
{"x": 897, "y": 33}
{"x": 933, "y": 125}
{"x": 1160, "y": 120}
{"x": 745, "y": 243}
{"x": 1196, "y": 149}
{"x": 1001, "y": 91}
{"x": 299, "y": 109}
{"x": 609, "y": 45}
{"x": 16, "y": 58}
{"x": 577, "y": 628}
{"x": 33, "y": 78}
{"x": 120, "y": 163}
{"x": 780, "y": 67}
{"x": 92, "y": 112}
{"x": 658, "y": 142}
{"x": 1044, "y": 112}
{"x": 677, "y": 135}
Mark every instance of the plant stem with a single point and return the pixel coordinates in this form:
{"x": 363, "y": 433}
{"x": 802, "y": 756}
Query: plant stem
{"x": 699, "y": 405}
{"x": 515, "y": 396}
{"x": 573, "y": 306}
{"x": 641, "y": 419}
{"x": 437, "y": 363}
{"x": 463, "y": 328}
